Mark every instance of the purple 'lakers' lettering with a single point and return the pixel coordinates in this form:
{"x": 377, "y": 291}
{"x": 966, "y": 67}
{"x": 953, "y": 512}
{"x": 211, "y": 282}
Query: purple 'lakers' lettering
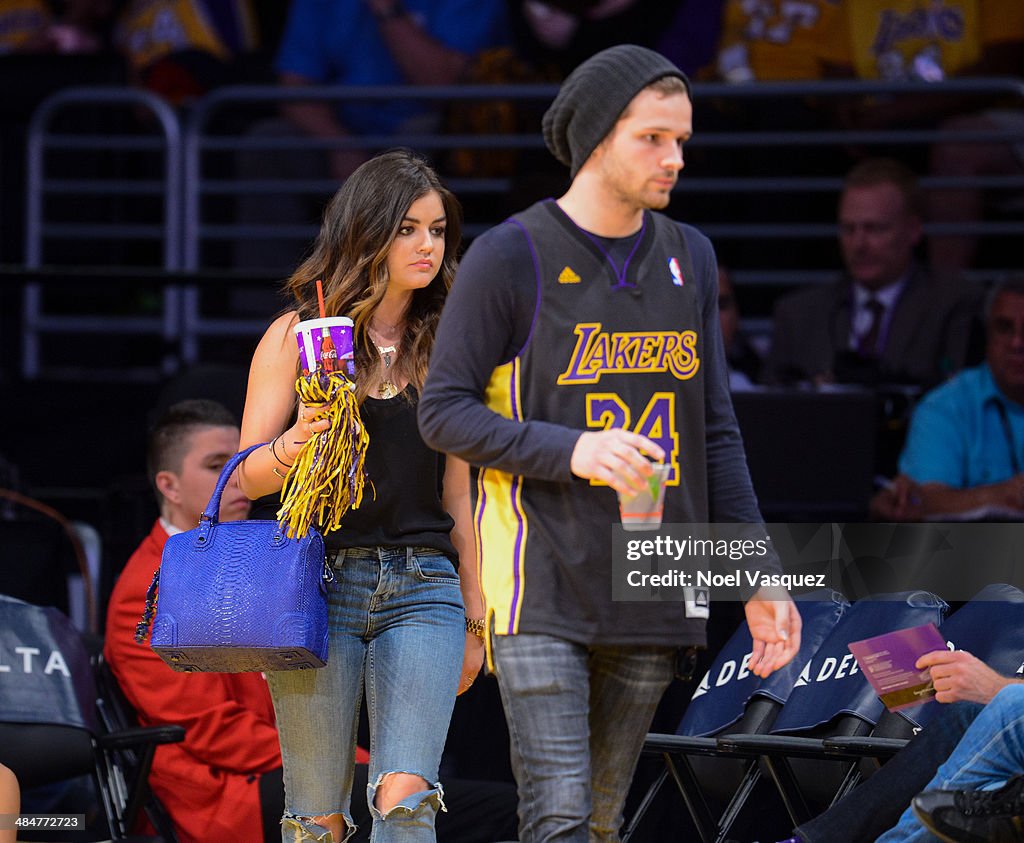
{"x": 648, "y": 351}
{"x": 670, "y": 344}
{"x": 624, "y": 352}
{"x": 600, "y": 353}
{"x": 684, "y": 362}
{"x": 598, "y": 359}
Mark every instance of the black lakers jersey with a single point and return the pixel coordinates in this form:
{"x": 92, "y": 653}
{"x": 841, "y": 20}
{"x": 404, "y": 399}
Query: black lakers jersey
{"x": 605, "y": 343}
{"x": 611, "y": 346}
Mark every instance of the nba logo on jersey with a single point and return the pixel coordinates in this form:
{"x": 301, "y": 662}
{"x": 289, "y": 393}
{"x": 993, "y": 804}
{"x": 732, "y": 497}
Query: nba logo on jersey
{"x": 677, "y": 273}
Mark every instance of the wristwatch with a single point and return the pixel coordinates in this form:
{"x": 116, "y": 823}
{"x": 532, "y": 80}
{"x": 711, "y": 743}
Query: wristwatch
{"x": 476, "y": 626}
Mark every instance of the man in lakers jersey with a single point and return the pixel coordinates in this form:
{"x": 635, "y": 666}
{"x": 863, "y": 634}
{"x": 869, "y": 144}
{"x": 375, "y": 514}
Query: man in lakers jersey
{"x": 580, "y": 339}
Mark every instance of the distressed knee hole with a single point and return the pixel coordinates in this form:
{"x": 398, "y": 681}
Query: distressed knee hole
{"x": 299, "y": 829}
{"x": 406, "y": 794}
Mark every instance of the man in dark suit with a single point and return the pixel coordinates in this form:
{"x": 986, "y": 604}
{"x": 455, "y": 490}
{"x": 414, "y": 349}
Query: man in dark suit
{"x": 886, "y": 320}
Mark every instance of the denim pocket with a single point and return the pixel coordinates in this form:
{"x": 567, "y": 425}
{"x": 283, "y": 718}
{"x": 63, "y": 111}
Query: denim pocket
{"x": 434, "y": 568}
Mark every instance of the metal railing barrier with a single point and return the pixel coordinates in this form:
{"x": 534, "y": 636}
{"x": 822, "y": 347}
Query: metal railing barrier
{"x": 81, "y": 169}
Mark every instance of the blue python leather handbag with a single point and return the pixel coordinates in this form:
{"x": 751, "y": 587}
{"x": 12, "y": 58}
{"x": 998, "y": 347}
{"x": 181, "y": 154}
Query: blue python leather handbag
{"x": 239, "y": 595}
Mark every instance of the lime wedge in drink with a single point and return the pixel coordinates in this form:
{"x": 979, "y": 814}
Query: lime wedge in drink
{"x": 653, "y": 484}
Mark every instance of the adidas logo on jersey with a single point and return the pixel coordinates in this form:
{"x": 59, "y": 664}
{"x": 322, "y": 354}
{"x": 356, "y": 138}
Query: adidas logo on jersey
{"x": 567, "y": 276}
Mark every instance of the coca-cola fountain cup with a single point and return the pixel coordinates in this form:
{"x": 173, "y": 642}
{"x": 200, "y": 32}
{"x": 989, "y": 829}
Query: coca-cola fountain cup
{"x": 326, "y": 344}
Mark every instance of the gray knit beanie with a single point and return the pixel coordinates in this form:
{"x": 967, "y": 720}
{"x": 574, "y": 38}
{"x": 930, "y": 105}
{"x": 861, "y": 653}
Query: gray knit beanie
{"x": 594, "y": 95}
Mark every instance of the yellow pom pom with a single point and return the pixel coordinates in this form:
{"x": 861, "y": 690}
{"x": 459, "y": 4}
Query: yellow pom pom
{"x": 327, "y": 477}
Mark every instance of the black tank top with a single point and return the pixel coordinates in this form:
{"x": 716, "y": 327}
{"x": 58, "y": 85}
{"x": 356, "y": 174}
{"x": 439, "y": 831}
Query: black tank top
{"x": 407, "y": 478}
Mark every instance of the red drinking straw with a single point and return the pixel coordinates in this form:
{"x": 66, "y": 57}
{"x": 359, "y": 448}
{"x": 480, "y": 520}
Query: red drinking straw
{"x": 320, "y": 298}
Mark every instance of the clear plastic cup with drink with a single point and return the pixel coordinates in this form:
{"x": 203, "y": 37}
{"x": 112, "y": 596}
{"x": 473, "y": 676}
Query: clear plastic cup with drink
{"x": 643, "y": 510}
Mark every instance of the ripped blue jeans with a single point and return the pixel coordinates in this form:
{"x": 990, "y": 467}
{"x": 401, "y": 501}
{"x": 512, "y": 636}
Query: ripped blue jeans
{"x": 397, "y": 628}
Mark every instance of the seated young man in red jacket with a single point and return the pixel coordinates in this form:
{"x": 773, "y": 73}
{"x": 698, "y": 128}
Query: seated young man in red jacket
{"x": 223, "y": 783}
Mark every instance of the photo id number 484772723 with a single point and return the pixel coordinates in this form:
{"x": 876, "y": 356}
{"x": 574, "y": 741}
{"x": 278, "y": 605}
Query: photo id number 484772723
{"x": 41, "y": 821}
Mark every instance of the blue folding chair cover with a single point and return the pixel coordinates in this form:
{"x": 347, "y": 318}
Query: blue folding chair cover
{"x": 831, "y": 684}
{"x": 45, "y": 669}
{"x": 729, "y": 684}
{"x": 820, "y": 612}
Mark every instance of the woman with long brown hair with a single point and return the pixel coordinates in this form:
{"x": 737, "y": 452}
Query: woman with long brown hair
{"x": 405, "y": 604}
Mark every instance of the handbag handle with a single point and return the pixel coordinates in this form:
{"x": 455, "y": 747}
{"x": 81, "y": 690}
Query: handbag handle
{"x": 207, "y": 520}
{"x": 213, "y": 507}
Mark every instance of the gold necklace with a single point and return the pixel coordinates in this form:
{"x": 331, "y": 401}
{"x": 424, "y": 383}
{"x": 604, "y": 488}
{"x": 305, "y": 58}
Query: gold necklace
{"x": 387, "y": 388}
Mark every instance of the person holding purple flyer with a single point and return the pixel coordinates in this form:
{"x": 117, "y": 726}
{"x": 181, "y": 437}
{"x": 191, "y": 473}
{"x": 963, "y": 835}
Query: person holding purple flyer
{"x": 405, "y": 615}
